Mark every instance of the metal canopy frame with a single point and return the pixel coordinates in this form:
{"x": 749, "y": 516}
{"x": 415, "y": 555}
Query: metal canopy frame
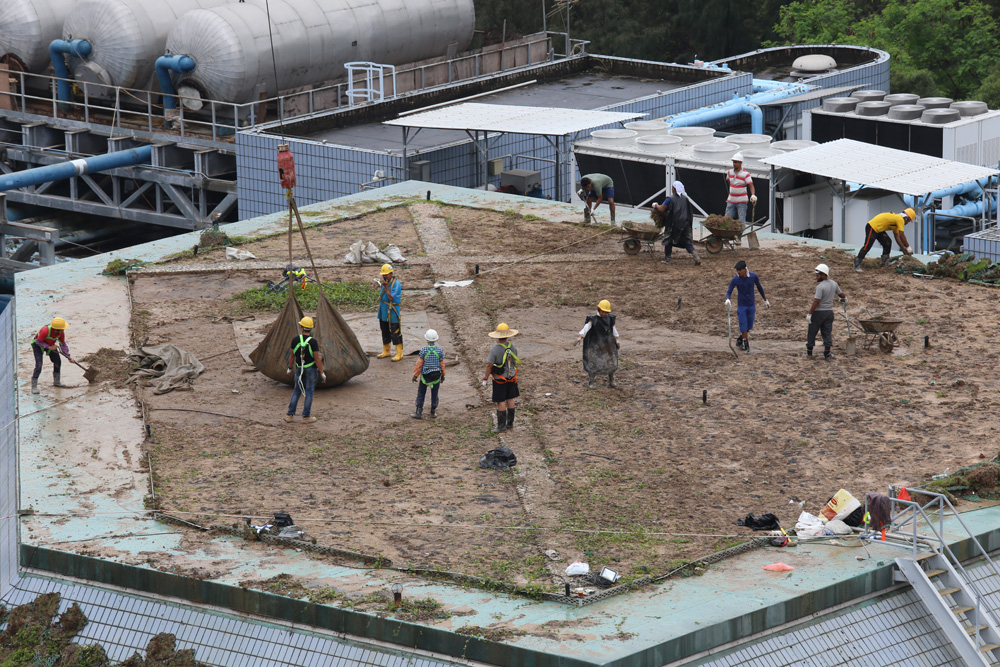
{"x": 485, "y": 124}
{"x": 846, "y": 161}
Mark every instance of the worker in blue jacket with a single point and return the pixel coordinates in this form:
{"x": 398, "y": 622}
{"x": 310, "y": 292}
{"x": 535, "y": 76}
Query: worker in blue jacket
{"x": 744, "y": 283}
{"x": 390, "y": 297}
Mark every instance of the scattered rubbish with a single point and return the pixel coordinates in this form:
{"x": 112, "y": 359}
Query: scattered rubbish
{"x": 292, "y": 533}
{"x": 763, "y": 522}
{"x": 552, "y": 554}
{"x": 577, "y": 568}
{"x": 237, "y": 254}
{"x": 779, "y": 541}
{"x": 840, "y": 506}
{"x": 235, "y": 391}
{"x": 453, "y": 283}
{"x": 165, "y": 367}
{"x": 809, "y": 525}
{"x": 366, "y": 252}
{"x": 394, "y": 253}
{"x": 500, "y": 458}
{"x": 942, "y": 475}
{"x": 778, "y": 567}
{"x": 838, "y": 527}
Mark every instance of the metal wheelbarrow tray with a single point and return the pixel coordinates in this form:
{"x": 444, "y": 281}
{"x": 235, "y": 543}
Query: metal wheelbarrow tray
{"x": 882, "y": 329}
{"x": 638, "y": 236}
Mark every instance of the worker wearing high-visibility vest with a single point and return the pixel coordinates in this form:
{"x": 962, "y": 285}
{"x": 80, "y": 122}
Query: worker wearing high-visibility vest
{"x": 50, "y": 340}
{"x": 306, "y": 362}
{"x": 390, "y": 297}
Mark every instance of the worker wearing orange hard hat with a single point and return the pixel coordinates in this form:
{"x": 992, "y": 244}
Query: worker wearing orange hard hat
{"x": 307, "y": 361}
{"x": 390, "y": 298}
{"x": 875, "y": 230}
{"x": 501, "y": 365}
{"x": 600, "y": 345}
{"x": 50, "y": 340}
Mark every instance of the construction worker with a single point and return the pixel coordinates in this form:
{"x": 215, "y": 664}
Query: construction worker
{"x": 307, "y": 362}
{"x": 597, "y": 188}
{"x": 429, "y": 372}
{"x": 820, "y": 316}
{"x": 746, "y": 307}
{"x": 389, "y": 299}
{"x": 739, "y": 182}
{"x": 501, "y": 365}
{"x": 50, "y": 340}
{"x": 876, "y": 228}
{"x": 679, "y": 221}
{"x": 600, "y": 344}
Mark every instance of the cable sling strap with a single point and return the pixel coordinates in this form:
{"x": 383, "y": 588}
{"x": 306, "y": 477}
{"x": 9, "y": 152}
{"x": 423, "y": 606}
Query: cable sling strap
{"x": 304, "y": 343}
{"x": 440, "y": 375}
{"x": 498, "y": 368}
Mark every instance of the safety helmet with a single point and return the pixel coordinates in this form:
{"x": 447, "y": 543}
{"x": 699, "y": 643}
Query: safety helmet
{"x": 58, "y": 323}
{"x": 386, "y": 269}
{"x": 823, "y": 268}
{"x": 738, "y": 157}
{"x": 431, "y": 336}
{"x": 306, "y": 323}
{"x": 910, "y": 213}
{"x": 604, "y": 305}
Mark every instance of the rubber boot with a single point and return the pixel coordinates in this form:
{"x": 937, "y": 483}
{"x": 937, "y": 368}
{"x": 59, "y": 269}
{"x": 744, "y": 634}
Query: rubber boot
{"x": 56, "y": 381}
{"x": 501, "y": 421}
{"x": 611, "y": 381}
{"x": 399, "y": 353}
{"x": 665, "y": 260}
{"x": 385, "y": 352}
{"x": 809, "y": 352}
{"x": 433, "y": 414}
{"x": 34, "y": 385}
{"x": 885, "y": 260}
{"x": 510, "y": 419}
{"x": 857, "y": 264}
{"x": 697, "y": 259}
{"x": 419, "y": 413}
{"x": 827, "y": 354}
{"x": 590, "y": 382}
{"x": 746, "y": 345}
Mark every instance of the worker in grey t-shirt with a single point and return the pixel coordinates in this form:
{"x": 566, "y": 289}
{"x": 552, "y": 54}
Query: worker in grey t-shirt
{"x": 820, "y": 317}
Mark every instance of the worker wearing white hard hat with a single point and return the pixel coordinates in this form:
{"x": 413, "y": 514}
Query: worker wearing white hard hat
{"x": 820, "y": 316}
{"x": 429, "y": 372}
{"x": 741, "y": 190}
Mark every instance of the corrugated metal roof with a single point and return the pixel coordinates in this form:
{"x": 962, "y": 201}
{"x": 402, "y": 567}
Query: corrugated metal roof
{"x": 508, "y": 118}
{"x": 814, "y": 95}
{"x": 880, "y": 167}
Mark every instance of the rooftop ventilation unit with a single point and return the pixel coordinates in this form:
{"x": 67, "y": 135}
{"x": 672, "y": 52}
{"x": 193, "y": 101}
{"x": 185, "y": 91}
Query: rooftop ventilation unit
{"x": 935, "y": 102}
{"x": 840, "y": 104}
{"x": 692, "y": 135}
{"x": 940, "y": 116}
{"x": 970, "y": 108}
{"x": 906, "y": 111}
{"x": 872, "y": 108}
{"x": 901, "y": 98}
{"x": 869, "y": 95}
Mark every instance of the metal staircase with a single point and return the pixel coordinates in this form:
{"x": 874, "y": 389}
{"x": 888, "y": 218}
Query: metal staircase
{"x": 953, "y": 597}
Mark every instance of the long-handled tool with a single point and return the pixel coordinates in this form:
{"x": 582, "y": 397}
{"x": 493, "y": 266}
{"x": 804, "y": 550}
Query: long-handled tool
{"x": 852, "y": 345}
{"x": 729, "y": 318}
{"x": 89, "y": 374}
{"x": 752, "y": 241}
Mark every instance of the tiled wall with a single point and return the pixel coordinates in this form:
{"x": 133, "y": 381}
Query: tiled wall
{"x": 8, "y": 449}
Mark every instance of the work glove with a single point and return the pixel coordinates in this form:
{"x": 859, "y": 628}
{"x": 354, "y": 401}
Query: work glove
{"x": 728, "y": 303}
{"x": 414, "y": 378}
{"x": 843, "y": 300}
{"x": 581, "y": 195}
{"x": 617, "y": 345}
{"x": 485, "y": 384}
{"x": 442, "y": 378}
{"x": 909, "y": 250}
{"x": 753, "y": 199}
{"x": 322, "y": 377}
{"x": 288, "y": 371}
{"x": 767, "y": 303}
{"x": 809, "y": 318}
{"x": 577, "y": 341}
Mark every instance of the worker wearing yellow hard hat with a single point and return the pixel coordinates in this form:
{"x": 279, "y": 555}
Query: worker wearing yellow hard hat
{"x": 875, "y": 230}
{"x": 50, "y": 340}
{"x": 306, "y": 362}
{"x": 501, "y": 366}
{"x": 390, "y": 298}
{"x": 600, "y": 345}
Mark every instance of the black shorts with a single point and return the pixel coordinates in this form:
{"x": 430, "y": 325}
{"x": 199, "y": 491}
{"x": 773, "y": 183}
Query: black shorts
{"x": 504, "y": 390}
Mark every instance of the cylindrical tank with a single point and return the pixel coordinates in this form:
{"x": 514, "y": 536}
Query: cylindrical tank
{"x": 313, "y": 39}
{"x": 127, "y": 37}
{"x": 692, "y": 135}
{"x": 613, "y": 137}
{"x": 27, "y": 27}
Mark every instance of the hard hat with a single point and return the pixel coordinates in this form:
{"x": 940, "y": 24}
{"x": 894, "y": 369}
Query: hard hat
{"x": 386, "y": 269}
{"x": 910, "y": 213}
{"x": 503, "y": 331}
{"x": 58, "y": 323}
{"x": 306, "y": 323}
{"x": 604, "y": 305}
{"x": 823, "y": 268}
{"x": 431, "y": 336}
{"x": 738, "y": 157}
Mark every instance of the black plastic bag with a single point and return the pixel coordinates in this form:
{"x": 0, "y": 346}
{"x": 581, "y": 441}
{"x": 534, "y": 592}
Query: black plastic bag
{"x": 498, "y": 459}
{"x": 763, "y": 522}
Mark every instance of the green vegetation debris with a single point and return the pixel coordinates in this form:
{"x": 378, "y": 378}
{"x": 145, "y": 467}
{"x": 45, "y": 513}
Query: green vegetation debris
{"x": 213, "y": 236}
{"x": 118, "y": 267}
{"x": 354, "y": 294}
{"x": 722, "y": 223}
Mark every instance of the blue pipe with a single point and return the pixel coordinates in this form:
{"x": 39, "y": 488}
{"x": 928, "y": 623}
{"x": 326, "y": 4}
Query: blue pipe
{"x": 165, "y": 65}
{"x": 64, "y": 170}
{"x": 57, "y": 50}
{"x": 970, "y": 189}
{"x": 740, "y": 105}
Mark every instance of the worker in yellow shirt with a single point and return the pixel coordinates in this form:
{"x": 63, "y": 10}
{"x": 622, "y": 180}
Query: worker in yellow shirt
{"x": 876, "y": 229}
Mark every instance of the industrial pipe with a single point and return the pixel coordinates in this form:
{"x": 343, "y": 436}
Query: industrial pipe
{"x": 972, "y": 188}
{"x": 58, "y": 49}
{"x": 63, "y": 170}
{"x": 739, "y": 105}
{"x": 165, "y": 65}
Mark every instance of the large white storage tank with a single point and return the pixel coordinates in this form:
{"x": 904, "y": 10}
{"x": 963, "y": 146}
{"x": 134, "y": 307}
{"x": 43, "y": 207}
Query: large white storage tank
{"x": 231, "y": 45}
{"x": 127, "y": 37}
{"x": 26, "y": 29}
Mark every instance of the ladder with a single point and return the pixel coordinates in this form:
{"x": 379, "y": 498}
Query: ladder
{"x": 954, "y": 599}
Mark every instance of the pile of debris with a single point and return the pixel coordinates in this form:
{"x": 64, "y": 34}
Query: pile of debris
{"x": 963, "y": 266}
{"x": 722, "y": 223}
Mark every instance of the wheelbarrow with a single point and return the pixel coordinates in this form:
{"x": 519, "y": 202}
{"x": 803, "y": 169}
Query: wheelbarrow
{"x": 728, "y": 238}
{"x": 639, "y": 235}
{"x": 881, "y": 329}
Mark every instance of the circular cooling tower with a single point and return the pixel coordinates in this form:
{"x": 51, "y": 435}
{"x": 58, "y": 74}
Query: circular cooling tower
{"x": 940, "y": 116}
{"x": 872, "y": 108}
{"x": 906, "y": 111}
{"x": 752, "y": 156}
{"x": 789, "y": 145}
{"x": 970, "y": 107}
{"x": 840, "y": 104}
{"x": 127, "y": 37}
{"x": 901, "y": 98}
{"x": 935, "y": 102}
{"x": 715, "y": 151}
{"x": 692, "y": 135}
{"x": 613, "y": 137}
{"x": 749, "y": 140}
{"x": 647, "y": 128}
{"x": 658, "y": 144}
{"x": 27, "y": 27}
{"x": 869, "y": 95}
{"x": 231, "y": 46}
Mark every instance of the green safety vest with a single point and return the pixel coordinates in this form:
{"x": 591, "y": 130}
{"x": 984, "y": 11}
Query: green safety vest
{"x": 438, "y": 381}
{"x": 304, "y": 343}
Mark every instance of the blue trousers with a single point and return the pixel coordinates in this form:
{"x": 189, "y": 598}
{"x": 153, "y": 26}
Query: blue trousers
{"x": 422, "y": 393}
{"x": 736, "y": 211}
{"x": 304, "y": 381}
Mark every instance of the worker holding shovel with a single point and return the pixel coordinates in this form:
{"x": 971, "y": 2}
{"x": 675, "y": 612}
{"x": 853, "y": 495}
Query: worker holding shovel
{"x": 51, "y": 339}
{"x": 746, "y": 307}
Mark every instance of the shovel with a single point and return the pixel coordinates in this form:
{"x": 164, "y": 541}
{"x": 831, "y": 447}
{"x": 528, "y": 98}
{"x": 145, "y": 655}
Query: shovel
{"x": 729, "y": 318}
{"x": 852, "y": 345}
{"x": 752, "y": 241}
{"x": 89, "y": 374}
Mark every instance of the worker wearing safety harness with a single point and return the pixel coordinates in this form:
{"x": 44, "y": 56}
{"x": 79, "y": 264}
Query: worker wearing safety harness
{"x": 875, "y": 230}
{"x": 308, "y": 368}
{"x": 501, "y": 365}
{"x": 50, "y": 340}
{"x": 389, "y": 299}
{"x": 429, "y": 372}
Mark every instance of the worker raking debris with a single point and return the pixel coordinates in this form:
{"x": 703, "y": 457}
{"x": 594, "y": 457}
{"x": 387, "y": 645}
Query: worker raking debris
{"x": 595, "y": 188}
{"x": 501, "y": 365}
{"x": 50, "y": 340}
{"x": 390, "y": 298}
{"x": 600, "y": 345}
{"x": 305, "y": 362}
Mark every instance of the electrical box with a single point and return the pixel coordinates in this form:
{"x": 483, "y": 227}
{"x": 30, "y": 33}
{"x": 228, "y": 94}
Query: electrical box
{"x": 420, "y": 170}
{"x": 849, "y": 223}
{"x": 495, "y": 167}
{"x": 523, "y": 179}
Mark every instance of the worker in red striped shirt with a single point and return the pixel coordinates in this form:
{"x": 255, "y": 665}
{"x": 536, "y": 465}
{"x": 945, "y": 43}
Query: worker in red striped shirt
{"x": 739, "y": 182}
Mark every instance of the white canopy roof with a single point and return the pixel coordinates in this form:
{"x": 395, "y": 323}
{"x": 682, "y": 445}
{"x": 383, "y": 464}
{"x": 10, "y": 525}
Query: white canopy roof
{"x": 880, "y": 167}
{"x": 508, "y": 118}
